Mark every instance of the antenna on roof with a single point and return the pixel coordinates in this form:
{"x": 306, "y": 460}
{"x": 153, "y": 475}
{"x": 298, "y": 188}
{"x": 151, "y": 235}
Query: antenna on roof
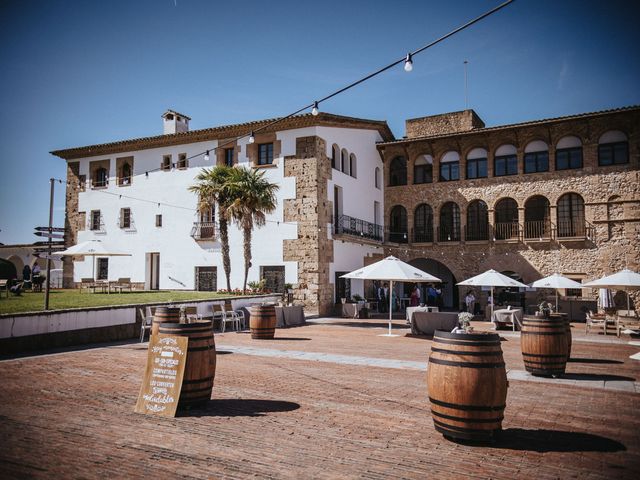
{"x": 466, "y": 96}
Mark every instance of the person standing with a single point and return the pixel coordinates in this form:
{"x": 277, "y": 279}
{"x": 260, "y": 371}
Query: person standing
{"x": 470, "y": 301}
{"x": 439, "y": 300}
{"x": 431, "y": 296}
{"x": 413, "y": 302}
{"x": 26, "y": 275}
{"x": 382, "y": 300}
{"x": 418, "y": 294}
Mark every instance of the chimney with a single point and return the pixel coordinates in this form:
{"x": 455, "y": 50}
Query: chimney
{"x": 445, "y": 123}
{"x": 174, "y": 122}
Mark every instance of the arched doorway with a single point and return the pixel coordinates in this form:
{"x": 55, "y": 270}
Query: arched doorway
{"x": 450, "y": 298}
{"x": 18, "y": 263}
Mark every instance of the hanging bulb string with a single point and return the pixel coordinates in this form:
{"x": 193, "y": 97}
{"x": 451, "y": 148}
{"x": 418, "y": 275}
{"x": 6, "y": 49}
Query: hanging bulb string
{"x": 407, "y": 59}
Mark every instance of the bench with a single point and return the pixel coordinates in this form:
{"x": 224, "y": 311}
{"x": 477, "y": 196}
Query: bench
{"x": 122, "y": 284}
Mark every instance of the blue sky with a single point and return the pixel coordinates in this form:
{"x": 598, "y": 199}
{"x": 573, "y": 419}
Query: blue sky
{"x": 82, "y": 72}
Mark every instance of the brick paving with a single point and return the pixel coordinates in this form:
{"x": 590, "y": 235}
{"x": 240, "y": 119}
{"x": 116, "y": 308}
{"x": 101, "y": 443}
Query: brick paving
{"x": 362, "y": 412}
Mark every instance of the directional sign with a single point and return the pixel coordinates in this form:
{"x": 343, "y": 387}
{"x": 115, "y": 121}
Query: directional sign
{"x": 54, "y": 248}
{"x": 46, "y": 229}
{"x": 49, "y": 235}
{"x": 46, "y": 256}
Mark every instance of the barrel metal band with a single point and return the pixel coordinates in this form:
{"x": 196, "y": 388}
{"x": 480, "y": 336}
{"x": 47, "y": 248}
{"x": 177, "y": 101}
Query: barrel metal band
{"x": 468, "y": 408}
{"x": 563, "y": 333}
{"x": 198, "y": 380}
{"x": 465, "y": 344}
{"x": 200, "y": 349}
{"x": 458, "y": 352}
{"x": 454, "y": 428}
{"x": 466, "y": 364}
{"x": 468, "y": 420}
{"x": 540, "y": 355}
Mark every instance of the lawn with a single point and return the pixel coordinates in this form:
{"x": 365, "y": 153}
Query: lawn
{"x": 61, "y": 299}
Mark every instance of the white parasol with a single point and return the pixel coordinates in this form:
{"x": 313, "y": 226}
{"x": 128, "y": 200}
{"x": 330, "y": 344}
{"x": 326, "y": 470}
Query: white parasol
{"x": 556, "y": 281}
{"x": 492, "y": 278}
{"x": 624, "y": 280}
{"x": 391, "y": 269}
{"x": 91, "y": 248}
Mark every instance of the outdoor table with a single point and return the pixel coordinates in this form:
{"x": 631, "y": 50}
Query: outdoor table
{"x": 352, "y": 310}
{"x": 410, "y": 311}
{"x": 289, "y": 315}
{"x": 505, "y": 316}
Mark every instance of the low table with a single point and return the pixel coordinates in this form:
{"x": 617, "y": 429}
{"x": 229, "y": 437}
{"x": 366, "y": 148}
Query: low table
{"x": 503, "y": 317}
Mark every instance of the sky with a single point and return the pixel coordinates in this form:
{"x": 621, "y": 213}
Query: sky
{"x": 80, "y": 72}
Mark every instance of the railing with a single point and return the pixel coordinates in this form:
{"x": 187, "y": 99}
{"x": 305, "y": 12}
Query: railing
{"x": 99, "y": 183}
{"x": 396, "y": 237}
{"x": 423, "y": 234}
{"x": 538, "y": 229}
{"x": 203, "y": 230}
{"x": 346, "y": 225}
{"x": 448, "y": 233}
{"x": 575, "y": 229}
{"x": 506, "y": 231}
{"x": 476, "y": 233}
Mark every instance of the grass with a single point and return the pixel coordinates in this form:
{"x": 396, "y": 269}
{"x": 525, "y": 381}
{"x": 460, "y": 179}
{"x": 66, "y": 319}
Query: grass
{"x": 61, "y": 299}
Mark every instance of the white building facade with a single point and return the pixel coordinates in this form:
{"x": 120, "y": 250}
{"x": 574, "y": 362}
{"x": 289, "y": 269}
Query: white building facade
{"x": 134, "y": 196}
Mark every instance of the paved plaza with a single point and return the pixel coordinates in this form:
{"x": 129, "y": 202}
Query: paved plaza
{"x": 331, "y": 399}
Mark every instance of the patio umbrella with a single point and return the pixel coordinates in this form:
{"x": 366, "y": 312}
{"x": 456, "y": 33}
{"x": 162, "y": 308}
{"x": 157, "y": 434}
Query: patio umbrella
{"x": 491, "y": 278}
{"x": 605, "y": 298}
{"x": 624, "y": 280}
{"x": 556, "y": 281}
{"x": 392, "y": 270}
{"x": 91, "y": 248}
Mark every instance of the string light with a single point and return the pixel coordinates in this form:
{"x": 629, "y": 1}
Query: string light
{"x": 408, "y": 63}
{"x": 314, "y": 110}
{"x": 206, "y": 156}
{"x": 251, "y": 137}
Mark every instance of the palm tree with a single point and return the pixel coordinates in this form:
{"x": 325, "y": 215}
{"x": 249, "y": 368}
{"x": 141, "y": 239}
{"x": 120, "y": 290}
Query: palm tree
{"x": 212, "y": 188}
{"x": 253, "y": 197}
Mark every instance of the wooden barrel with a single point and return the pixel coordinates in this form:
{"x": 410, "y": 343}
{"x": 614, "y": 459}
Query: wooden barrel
{"x": 467, "y": 383}
{"x": 569, "y": 338}
{"x": 164, "y": 315}
{"x": 200, "y": 368}
{"x": 544, "y": 346}
{"x": 262, "y": 322}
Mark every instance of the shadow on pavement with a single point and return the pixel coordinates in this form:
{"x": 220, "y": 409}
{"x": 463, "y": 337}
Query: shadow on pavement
{"x": 555, "y": 441}
{"x": 597, "y": 376}
{"x": 289, "y": 339}
{"x": 239, "y": 407}
{"x": 593, "y": 360}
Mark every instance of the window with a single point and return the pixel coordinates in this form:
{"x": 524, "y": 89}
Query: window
{"x": 613, "y": 148}
{"x": 273, "y": 277}
{"x": 344, "y": 161}
{"x": 449, "y": 222}
{"x": 423, "y": 224}
{"x": 398, "y": 172}
{"x": 450, "y": 167}
{"x": 536, "y": 157}
{"x": 506, "y": 219}
{"x": 158, "y": 220}
{"x": 125, "y": 218}
{"x": 82, "y": 182}
{"x": 352, "y": 166}
{"x": 103, "y": 269}
{"x": 570, "y": 211}
{"x": 228, "y": 157}
{"x": 96, "y": 220}
{"x": 569, "y": 153}
{"x": 477, "y": 221}
{"x": 477, "y": 163}
{"x": 125, "y": 175}
{"x": 182, "y": 161}
{"x": 377, "y": 178}
{"x": 423, "y": 169}
{"x": 265, "y": 154}
{"x": 335, "y": 155}
{"x": 101, "y": 178}
{"x": 166, "y": 163}
{"x": 505, "y": 161}
{"x": 536, "y": 217}
{"x": 398, "y": 224}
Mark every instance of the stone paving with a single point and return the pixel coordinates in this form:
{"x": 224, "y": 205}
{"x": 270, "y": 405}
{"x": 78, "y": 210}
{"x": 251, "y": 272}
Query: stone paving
{"x": 328, "y": 400}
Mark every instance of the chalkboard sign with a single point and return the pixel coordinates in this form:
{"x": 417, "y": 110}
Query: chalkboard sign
{"x": 160, "y": 391}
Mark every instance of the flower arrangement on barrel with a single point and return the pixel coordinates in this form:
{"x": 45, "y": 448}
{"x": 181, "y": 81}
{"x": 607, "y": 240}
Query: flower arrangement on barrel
{"x": 464, "y": 321}
{"x": 544, "y": 309}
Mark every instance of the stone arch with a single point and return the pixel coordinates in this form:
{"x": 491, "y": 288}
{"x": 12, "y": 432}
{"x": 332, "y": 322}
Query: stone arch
{"x": 570, "y": 215}
{"x": 450, "y": 297}
{"x": 537, "y": 217}
{"x": 18, "y": 263}
{"x": 398, "y": 171}
{"x": 398, "y": 230}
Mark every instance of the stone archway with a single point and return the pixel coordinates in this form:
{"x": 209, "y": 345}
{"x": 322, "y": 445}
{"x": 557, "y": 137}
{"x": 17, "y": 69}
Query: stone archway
{"x": 18, "y": 263}
{"x": 450, "y": 297}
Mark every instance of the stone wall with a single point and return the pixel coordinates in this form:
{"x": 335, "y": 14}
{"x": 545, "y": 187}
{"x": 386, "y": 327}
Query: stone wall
{"x": 444, "y": 123}
{"x": 73, "y": 220}
{"x": 312, "y": 211}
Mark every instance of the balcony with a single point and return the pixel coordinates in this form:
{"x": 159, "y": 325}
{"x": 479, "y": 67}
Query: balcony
{"x": 476, "y": 233}
{"x": 574, "y": 230}
{"x": 354, "y": 227}
{"x": 540, "y": 230}
{"x": 506, "y": 231}
{"x": 203, "y": 231}
{"x": 423, "y": 234}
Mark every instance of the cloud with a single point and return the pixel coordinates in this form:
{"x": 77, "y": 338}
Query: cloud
{"x": 564, "y": 71}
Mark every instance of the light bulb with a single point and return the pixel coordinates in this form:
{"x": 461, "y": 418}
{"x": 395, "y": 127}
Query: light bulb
{"x": 206, "y": 156}
{"x": 252, "y": 138}
{"x": 314, "y": 110}
{"x": 408, "y": 63}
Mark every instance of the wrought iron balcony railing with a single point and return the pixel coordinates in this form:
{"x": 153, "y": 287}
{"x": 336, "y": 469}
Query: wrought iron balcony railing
{"x": 423, "y": 234}
{"x": 354, "y": 227}
{"x": 476, "y": 233}
{"x": 538, "y": 229}
{"x": 203, "y": 230}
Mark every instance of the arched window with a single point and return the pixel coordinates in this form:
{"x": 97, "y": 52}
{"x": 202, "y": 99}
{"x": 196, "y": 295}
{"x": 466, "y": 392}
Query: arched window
{"x": 423, "y": 224}
{"x": 423, "y": 169}
{"x": 125, "y": 174}
{"x": 377, "y": 178}
{"x": 568, "y": 153}
{"x": 536, "y": 157}
{"x": 506, "y": 219}
{"x": 398, "y": 224}
{"x": 352, "y": 166}
{"x": 450, "y": 167}
{"x": 613, "y": 148}
{"x": 505, "y": 161}
{"x": 398, "y": 172}
{"x": 344, "y": 161}
{"x": 335, "y": 156}
{"x": 536, "y": 217}
{"x": 101, "y": 178}
{"x": 571, "y": 222}
{"x": 449, "y": 223}
{"x": 477, "y": 221}
{"x": 477, "y": 163}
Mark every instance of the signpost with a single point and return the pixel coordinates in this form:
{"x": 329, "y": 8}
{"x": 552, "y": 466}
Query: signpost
{"x": 162, "y": 382}
{"x": 49, "y": 235}
{"x": 47, "y": 229}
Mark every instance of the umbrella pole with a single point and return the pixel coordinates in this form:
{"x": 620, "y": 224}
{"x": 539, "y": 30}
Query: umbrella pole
{"x": 492, "y": 302}
{"x": 390, "y": 305}
{"x": 556, "y": 300}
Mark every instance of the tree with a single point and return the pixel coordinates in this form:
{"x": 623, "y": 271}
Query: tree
{"x": 252, "y": 198}
{"x": 213, "y": 189}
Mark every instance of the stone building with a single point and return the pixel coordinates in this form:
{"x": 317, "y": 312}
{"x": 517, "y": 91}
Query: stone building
{"x": 530, "y": 199}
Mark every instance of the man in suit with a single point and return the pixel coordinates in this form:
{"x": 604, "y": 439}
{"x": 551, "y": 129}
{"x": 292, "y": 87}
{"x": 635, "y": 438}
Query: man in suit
{"x": 383, "y": 301}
